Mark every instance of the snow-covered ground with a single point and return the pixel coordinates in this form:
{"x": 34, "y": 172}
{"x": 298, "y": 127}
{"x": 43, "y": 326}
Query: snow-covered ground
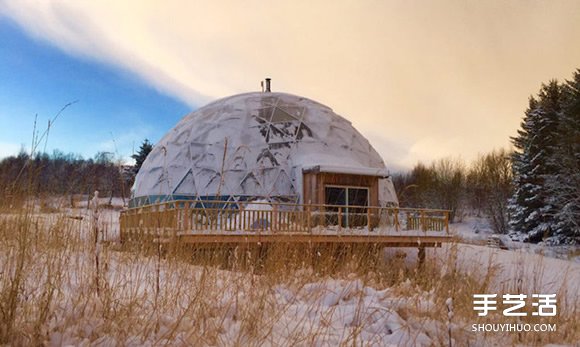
{"x": 323, "y": 312}
{"x": 516, "y": 269}
{"x": 200, "y": 305}
{"x": 326, "y": 312}
{"x": 476, "y": 230}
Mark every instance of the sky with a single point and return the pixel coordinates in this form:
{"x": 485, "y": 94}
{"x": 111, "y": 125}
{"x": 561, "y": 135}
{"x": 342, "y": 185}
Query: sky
{"x": 422, "y": 80}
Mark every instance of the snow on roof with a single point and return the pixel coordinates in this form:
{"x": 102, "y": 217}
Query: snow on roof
{"x": 252, "y": 144}
{"x": 352, "y": 170}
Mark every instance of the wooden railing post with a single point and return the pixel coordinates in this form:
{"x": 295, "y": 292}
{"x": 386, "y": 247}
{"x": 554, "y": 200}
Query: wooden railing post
{"x": 263, "y": 220}
{"x": 274, "y": 223}
{"x": 339, "y": 219}
{"x": 243, "y": 219}
{"x": 186, "y": 217}
{"x": 309, "y": 217}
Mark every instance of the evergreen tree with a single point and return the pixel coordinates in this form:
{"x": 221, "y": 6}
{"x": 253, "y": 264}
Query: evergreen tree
{"x": 141, "y": 155}
{"x": 564, "y": 186}
{"x": 518, "y": 209}
{"x": 532, "y": 211}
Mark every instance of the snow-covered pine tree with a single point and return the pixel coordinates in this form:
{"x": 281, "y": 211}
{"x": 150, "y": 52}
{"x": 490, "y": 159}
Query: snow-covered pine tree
{"x": 564, "y": 186}
{"x": 518, "y": 208}
{"x": 531, "y": 210}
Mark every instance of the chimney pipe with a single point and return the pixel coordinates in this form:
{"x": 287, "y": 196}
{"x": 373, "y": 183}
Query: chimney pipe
{"x": 268, "y": 85}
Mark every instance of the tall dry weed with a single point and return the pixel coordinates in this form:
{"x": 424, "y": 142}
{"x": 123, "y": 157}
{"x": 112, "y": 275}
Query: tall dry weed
{"x": 247, "y": 296}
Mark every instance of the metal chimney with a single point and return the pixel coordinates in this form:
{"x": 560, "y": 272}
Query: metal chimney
{"x": 268, "y": 85}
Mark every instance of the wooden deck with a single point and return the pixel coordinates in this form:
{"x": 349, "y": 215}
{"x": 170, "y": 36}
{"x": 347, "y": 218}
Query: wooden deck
{"x": 222, "y": 228}
{"x": 419, "y": 241}
{"x": 207, "y": 223}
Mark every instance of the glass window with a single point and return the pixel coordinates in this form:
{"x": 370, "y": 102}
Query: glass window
{"x": 348, "y": 197}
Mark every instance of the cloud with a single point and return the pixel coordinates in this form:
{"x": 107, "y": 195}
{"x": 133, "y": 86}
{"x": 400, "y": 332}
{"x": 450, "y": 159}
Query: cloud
{"x": 439, "y": 78}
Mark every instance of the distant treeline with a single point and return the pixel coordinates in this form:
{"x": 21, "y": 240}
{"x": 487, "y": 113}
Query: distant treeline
{"x": 64, "y": 174}
{"x": 482, "y": 188}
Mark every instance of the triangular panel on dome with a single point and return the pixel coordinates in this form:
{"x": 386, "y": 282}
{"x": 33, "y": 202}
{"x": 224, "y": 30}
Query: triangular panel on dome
{"x": 280, "y": 115}
{"x": 358, "y": 141}
{"x": 267, "y": 159}
{"x": 263, "y": 127}
{"x": 206, "y": 160}
{"x": 267, "y": 177}
{"x": 295, "y": 111}
{"x": 237, "y": 160}
{"x": 181, "y": 136}
{"x": 264, "y": 114}
{"x": 203, "y": 178}
{"x": 281, "y": 132}
{"x": 282, "y": 185}
{"x": 339, "y": 134}
{"x": 281, "y": 150}
{"x": 213, "y": 184}
{"x": 251, "y": 185}
{"x": 187, "y": 185}
{"x": 231, "y": 182}
{"x": 303, "y": 132}
{"x": 196, "y": 151}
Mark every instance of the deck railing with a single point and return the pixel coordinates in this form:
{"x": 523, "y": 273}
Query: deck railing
{"x": 169, "y": 219}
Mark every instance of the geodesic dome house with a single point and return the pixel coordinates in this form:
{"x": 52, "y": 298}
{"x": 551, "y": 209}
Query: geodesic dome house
{"x": 264, "y": 146}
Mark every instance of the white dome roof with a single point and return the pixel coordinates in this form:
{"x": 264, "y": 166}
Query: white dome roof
{"x": 250, "y": 145}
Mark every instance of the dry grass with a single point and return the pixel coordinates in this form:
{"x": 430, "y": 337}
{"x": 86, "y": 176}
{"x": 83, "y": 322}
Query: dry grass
{"x": 285, "y": 296}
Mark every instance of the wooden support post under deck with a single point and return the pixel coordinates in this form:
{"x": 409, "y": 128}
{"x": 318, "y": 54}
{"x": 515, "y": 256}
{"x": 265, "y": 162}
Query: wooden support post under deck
{"x": 274, "y": 226}
{"x": 421, "y": 256}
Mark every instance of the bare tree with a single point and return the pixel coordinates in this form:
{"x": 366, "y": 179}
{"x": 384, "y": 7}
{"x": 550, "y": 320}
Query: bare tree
{"x": 490, "y": 187}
